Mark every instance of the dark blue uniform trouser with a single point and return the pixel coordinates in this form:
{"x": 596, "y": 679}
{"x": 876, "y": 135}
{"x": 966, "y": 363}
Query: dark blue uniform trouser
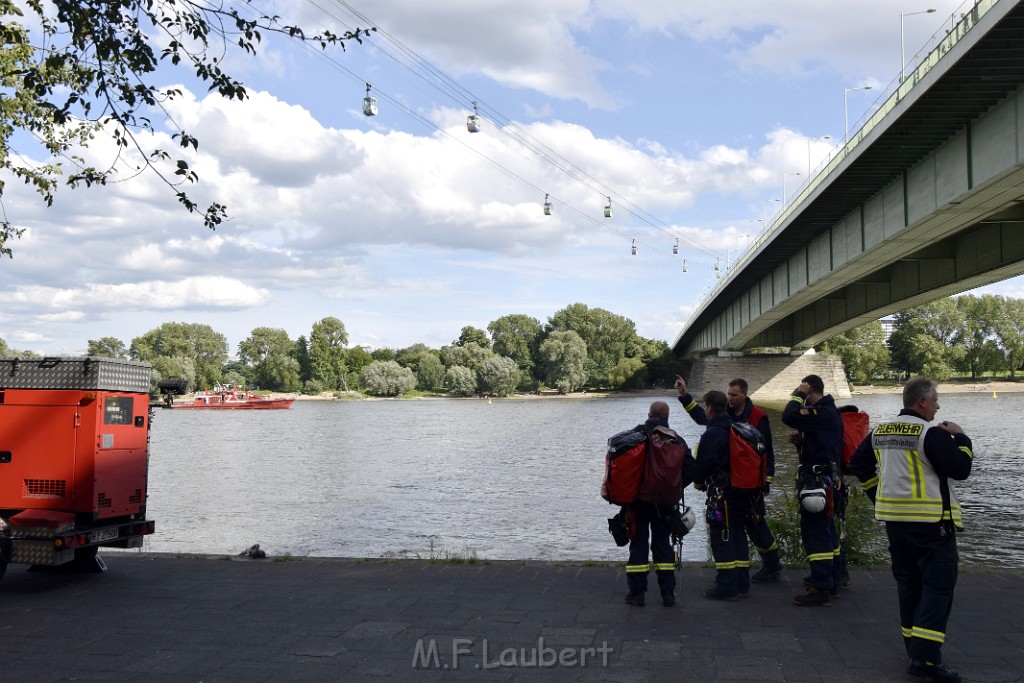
{"x": 760, "y": 534}
{"x": 651, "y": 534}
{"x": 924, "y": 564}
{"x": 821, "y": 543}
{"x": 728, "y": 538}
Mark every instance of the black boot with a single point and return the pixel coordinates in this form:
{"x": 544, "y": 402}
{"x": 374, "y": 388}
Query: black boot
{"x": 935, "y": 672}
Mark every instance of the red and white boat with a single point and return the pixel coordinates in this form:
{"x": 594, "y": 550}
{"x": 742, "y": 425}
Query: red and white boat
{"x": 233, "y": 397}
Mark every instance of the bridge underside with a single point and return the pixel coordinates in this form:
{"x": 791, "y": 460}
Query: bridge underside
{"x": 925, "y": 201}
{"x": 950, "y": 252}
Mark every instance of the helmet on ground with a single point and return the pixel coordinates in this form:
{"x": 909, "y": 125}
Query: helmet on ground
{"x": 813, "y": 500}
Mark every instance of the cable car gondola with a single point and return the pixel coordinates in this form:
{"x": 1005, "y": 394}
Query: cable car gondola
{"x": 369, "y": 103}
{"x": 473, "y": 120}
{"x": 547, "y": 205}
{"x": 634, "y": 247}
{"x": 608, "y": 208}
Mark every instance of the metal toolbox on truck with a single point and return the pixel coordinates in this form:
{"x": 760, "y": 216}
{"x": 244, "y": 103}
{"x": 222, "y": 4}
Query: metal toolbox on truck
{"x": 90, "y": 373}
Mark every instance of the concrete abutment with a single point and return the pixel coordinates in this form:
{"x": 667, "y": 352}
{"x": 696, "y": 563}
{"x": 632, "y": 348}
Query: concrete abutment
{"x": 769, "y": 377}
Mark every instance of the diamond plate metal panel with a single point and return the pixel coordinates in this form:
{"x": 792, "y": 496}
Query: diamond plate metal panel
{"x": 83, "y": 373}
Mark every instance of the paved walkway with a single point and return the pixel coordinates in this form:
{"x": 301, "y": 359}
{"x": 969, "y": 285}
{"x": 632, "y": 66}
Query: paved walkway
{"x": 166, "y": 618}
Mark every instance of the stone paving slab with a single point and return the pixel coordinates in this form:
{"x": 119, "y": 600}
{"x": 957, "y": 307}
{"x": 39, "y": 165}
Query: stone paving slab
{"x": 154, "y": 617}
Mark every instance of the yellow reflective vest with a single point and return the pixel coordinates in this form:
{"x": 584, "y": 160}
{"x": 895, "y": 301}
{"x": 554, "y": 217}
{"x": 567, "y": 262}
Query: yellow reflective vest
{"x": 909, "y": 489}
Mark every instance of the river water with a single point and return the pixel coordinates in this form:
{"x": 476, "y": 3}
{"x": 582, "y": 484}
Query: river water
{"x": 501, "y": 479}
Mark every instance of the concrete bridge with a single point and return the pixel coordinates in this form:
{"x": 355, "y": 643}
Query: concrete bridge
{"x": 924, "y": 200}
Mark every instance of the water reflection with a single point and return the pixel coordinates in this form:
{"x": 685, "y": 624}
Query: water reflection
{"x": 510, "y": 479}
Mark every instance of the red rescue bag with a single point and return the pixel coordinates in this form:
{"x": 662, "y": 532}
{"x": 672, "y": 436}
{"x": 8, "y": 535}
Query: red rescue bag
{"x": 748, "y": 463}
{"x": 856, "y": 425}
{"x": 623, "y": 467}
{"x": 662, "y": 481}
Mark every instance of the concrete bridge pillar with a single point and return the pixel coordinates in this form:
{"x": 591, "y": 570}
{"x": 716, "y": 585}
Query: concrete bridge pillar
{"x": 769, "y": 377}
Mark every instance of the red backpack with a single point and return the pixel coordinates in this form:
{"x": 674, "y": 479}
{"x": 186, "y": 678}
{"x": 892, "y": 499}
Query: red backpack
{"x": 623, "y": 467}
{"x": 855, "y": 428}
{"x": 662, "y": 481}
{"x": 748, "y": 463}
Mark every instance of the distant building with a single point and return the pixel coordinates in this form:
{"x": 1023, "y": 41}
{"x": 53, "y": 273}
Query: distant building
{"x": 888, "y": 325}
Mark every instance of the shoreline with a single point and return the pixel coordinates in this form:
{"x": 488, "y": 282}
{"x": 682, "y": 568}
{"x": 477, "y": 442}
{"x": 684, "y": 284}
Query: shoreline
{"x": 979, "y": 387}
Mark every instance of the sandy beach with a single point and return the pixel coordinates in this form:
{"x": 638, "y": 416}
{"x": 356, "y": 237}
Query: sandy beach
{"x": 979, "y": 387}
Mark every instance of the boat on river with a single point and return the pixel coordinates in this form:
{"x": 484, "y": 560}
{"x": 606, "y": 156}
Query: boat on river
{"x": 233, "y": 397}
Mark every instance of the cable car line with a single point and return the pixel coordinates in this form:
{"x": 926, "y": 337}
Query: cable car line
{"x": 459, "y": 94}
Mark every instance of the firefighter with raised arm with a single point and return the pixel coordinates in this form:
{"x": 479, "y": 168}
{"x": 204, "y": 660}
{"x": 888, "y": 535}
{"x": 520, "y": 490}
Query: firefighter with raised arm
{"x": 819, "y": 442}
{"x": 906, "y": 466}
{"x": 742, "y": 409}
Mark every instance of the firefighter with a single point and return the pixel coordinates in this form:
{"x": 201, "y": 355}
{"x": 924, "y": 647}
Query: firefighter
{"x": 651, "y": 511}
{"x": 906, "y": 466}
{"x": 727, "y": 510}
{"x": 819, "y": 441}
{"x": 742, "y": 409}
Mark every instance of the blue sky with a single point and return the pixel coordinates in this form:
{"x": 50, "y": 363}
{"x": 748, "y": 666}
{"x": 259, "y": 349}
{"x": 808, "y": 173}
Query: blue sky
{"x": 694, "y": 117}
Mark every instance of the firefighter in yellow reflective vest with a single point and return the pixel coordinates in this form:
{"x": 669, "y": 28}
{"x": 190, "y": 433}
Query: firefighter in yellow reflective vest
{"x": 906, "y": 466}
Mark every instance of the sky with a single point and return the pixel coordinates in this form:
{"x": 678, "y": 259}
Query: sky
{"x": 696, "y": 119}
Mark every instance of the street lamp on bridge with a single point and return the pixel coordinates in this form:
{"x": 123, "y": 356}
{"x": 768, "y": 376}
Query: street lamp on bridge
{"x": 784, "y": 186}
{"x": 766, "y": 203}
{"x": 903, "y": 59}
{"x": 823, "y": 137}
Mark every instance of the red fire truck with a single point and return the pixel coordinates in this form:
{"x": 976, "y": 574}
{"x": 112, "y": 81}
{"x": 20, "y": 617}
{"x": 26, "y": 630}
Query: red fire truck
{"x": 74, "y": 459}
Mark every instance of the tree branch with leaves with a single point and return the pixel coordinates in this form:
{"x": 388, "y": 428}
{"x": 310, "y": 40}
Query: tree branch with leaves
{"x": 71, "y": 70}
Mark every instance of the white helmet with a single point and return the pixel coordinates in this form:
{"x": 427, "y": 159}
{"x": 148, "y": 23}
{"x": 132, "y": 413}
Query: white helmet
{"x": 813, "y": 500}
{"x": 689, "y": 518}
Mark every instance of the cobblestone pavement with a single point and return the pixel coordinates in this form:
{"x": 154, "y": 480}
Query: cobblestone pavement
{"x": 169, "y": 618}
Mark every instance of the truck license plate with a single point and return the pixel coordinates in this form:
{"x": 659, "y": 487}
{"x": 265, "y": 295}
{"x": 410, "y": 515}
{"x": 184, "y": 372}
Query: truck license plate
{"x": 103, "y": 535}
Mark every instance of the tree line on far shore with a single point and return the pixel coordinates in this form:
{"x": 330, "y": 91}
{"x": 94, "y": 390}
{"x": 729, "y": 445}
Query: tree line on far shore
{"x": 962, "y": 335}
{"x": 578, "y": 348}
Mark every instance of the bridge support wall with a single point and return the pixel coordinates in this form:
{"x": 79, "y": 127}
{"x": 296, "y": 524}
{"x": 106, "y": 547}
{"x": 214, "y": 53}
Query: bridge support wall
{"x": 769, "y": 378}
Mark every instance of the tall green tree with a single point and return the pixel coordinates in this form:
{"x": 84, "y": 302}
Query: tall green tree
{"x": 862, "y": 350}
{"x": 517, "y": 337}
{"x": 931, "y": 357}
{"x": 357, "y": 358}
{"x": 73, "y": 70}
{"x": 976, "y": 334}
{"x": 460, "y": 380}
{"x": 498, "y": 376}
{"x": 178, "y": 367}
{"x": 937, "y": 319}
{"x": 1008, "y": 328}
{"x": 564, "y": 355}
{"x": 327, "y": 344}
{"x": 301, "y": 355}
{"x": 661, "y": 363}
{"x": 473, "y": 335}
{"x": 207, "y": 348}
{"x": 470, "y": 355}
{"x": 107, "y": 347}
{"x": 387, "y": 378}
{"x": 429, "y": 371}
{"x": 268, "y": 351}
{"x": 608, "y": 337}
